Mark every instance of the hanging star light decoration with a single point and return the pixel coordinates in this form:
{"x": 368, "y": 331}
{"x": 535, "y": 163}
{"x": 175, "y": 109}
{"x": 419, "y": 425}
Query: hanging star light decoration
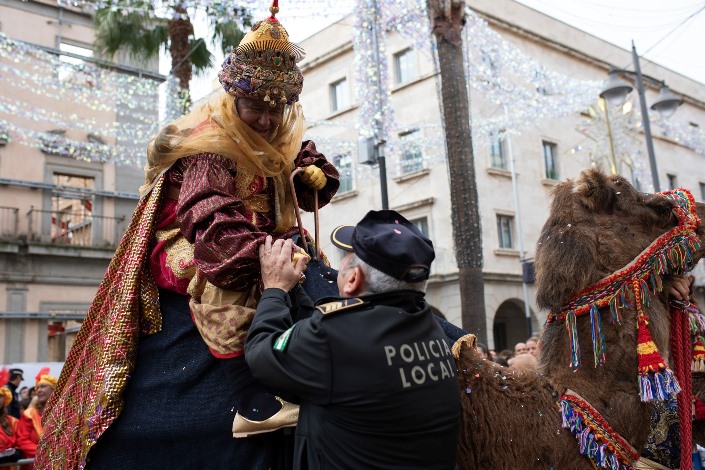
{"x": 613, "y": 139}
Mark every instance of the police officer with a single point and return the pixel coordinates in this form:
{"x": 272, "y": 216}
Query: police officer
{"x": 376, "y": 378}
{"x": 16, "y": 377}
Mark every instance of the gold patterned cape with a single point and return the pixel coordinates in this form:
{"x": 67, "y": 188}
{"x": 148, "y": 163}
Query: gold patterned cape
{"x": 88, "y": 396}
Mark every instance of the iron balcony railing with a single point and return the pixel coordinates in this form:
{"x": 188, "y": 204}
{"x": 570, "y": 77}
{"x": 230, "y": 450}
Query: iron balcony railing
{"x": 76, "y": 228}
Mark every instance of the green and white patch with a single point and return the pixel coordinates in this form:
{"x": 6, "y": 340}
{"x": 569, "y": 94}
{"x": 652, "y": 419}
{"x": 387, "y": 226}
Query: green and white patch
{"x": 281, "y": 342}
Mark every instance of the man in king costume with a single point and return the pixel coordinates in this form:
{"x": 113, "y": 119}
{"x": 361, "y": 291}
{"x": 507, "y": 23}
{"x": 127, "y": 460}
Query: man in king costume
{"x": 157, "y": 373}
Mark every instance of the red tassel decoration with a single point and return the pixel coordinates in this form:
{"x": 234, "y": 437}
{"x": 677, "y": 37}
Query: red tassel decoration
{"x": 656, "y": 380}
{"x": 698, "y": 409}
{"x": 698, "y": 360}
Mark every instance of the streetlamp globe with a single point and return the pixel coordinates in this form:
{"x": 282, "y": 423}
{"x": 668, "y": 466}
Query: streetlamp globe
{"x": 667, "y": 102}
{"x": 616, "y": 90}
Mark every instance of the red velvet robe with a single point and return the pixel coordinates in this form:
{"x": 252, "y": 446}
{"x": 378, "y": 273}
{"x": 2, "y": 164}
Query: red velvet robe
{"x": 213, "y": 218}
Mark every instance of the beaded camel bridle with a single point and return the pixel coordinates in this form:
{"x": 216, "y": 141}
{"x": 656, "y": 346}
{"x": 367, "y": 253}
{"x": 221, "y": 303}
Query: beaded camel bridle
{"x": 633, "y": 287}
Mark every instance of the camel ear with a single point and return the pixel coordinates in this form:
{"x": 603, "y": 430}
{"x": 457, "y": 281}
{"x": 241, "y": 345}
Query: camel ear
{"x": 662, "y": 207}
{"x": 595, "y": 190}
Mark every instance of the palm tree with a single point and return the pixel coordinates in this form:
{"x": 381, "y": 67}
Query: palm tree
{"x": 447, "y": 21}
{"x": 143, "y": 35}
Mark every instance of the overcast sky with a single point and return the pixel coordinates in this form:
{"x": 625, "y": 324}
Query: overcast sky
{"x": 647, "y": 22}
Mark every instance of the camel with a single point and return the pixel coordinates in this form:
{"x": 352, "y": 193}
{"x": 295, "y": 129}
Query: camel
{"x": 597, "y": 225}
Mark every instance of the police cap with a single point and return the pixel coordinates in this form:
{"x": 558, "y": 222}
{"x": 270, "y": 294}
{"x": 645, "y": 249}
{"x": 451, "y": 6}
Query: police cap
{"x": 388, "y": 242}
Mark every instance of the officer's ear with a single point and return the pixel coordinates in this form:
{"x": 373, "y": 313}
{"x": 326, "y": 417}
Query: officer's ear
{"x": 354, "y": 282}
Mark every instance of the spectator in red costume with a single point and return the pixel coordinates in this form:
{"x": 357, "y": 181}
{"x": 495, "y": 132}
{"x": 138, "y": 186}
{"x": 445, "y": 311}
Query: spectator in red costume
{"x": 30, "y": 428}
{"x": 8, "y": 429}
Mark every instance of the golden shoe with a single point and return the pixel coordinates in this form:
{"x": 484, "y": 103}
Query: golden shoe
{"x": 286, "y": 417}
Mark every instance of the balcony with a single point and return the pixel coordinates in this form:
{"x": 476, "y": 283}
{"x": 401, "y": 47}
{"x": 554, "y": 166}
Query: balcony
{"x": 76, "y": 228}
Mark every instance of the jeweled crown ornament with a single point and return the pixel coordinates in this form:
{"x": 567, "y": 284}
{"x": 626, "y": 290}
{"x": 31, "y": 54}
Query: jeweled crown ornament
{"x": 264, "y": 64}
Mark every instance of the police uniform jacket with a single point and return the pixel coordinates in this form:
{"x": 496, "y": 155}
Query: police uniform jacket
{"x": 376, "y": 378}
{"x": 13, "y": 409}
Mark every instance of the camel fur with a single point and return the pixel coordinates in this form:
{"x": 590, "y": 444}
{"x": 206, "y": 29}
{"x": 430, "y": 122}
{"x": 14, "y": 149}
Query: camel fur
{"x": 597, "y": 225}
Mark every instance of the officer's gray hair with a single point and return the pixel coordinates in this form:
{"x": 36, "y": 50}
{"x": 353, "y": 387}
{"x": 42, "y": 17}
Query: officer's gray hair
{"x": 377, "y": 282}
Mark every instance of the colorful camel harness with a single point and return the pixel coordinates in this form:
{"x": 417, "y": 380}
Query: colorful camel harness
{"x": 630, "y": 287}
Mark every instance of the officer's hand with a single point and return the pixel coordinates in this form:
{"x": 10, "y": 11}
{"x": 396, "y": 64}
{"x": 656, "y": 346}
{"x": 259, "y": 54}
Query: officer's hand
{"x": 277, "y": 268}
{"x": 314, "y": 177}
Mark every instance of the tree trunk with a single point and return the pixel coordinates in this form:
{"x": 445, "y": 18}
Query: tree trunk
{"x": 447, "y": 20}
{"x": 180, "y": 31}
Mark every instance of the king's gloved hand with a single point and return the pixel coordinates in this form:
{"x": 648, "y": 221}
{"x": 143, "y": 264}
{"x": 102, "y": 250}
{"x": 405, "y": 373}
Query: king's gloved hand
{"x": 314, "y": 177}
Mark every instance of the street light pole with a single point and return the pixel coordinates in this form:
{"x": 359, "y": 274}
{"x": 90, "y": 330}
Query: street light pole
{"x": 379, "y": 128}
{"x": 666, "y": 104}
{"x": 517, "y": 209}
{"x": 645, "y": 120}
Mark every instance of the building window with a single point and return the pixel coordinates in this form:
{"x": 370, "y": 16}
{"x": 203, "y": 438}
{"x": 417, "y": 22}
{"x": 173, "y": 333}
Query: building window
{"x": 672, "y": 181}
{"x": 539, "y": 80}
{"x": 404, "y": 66}
{"x": 550, "y": 158}
{"x": 72, "y": 69}
{"x": 411, "y": 154}
{"x": 422, "y": 224}
{"x": 343, "y": 163}
{"x": 72, "y": 209}
{"x": 505, "y": 231}
{"x": 488, "y": 62}
{"x": 498, "y": 158}
{"x": 702, "y": 192}
{"x": 339, "y": 95}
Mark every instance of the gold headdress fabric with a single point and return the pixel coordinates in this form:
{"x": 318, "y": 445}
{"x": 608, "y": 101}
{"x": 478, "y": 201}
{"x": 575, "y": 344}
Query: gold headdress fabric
{"x": 6, "y": 396}
{"x": 49, "y": 380}
{"x": 217, "y": 128}
{"x": 264, "y": 64}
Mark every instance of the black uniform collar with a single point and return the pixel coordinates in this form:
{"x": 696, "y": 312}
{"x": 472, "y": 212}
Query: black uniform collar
{"x": 407, "y": 300}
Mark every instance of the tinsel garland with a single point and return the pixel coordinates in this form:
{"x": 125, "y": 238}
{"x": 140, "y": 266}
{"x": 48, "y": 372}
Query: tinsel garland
{"x": 376, "y": 116}
{"x": 597, "y": 440}
{"x": 500, "y": 72}
{"x": 632, "y": 287}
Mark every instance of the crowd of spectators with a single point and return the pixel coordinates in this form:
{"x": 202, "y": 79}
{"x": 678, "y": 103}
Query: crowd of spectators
{"x": 523, "y": 357}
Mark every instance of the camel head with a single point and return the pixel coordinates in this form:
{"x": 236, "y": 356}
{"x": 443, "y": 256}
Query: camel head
{"x": 598, "y": 224}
